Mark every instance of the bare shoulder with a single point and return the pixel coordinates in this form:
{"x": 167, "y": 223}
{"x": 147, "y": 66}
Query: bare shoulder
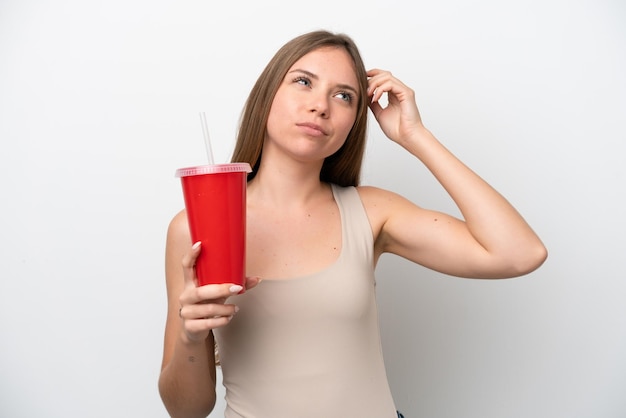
{"x": 380, "y": 205}
{"x": 178, "y": 227}
{"x": 375, "y": 195}
{"x": 373, "y": 199}
{"x": 381, "y": 202}
{"x": 178, "y": 237}
{"x": 398, "y": 224}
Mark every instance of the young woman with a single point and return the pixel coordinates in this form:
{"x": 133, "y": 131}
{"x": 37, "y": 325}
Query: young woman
{"x": 305, "y": 342}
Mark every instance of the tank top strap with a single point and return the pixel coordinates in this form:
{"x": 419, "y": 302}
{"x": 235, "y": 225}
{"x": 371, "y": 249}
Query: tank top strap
{"x": 357, "y": 237}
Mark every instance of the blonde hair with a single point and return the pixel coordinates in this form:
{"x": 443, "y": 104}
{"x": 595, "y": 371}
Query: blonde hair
{"x": 344, "y": 166}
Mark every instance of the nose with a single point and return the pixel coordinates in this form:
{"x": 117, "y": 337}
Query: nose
{"x": 319, "y": 104}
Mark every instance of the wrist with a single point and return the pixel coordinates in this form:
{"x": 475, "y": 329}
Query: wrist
{"x": 189, "y": 342}
{"x": 418, "y": 139}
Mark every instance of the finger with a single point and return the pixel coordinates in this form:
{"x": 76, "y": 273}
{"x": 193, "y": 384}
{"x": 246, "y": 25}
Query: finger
{"x": 377, "y": 88}
{"x": 252, "y": 282}
{"x": 376, "y": 78}
{"x": 384, "y": 81}
{"x": 376, "y": 108}
{"x": 207, "y": 311}
{"x": 189, "y": 262}
{"x": 374, "y": 72}
{"x": 200, "y": 327}
{"x": 208, "y": 293}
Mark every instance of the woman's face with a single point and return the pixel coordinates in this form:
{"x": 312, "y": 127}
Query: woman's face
{"x": 315, "y": 106}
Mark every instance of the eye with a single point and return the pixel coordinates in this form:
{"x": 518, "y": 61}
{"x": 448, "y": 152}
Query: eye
{"x": 345, "y": 96}
{"x": 302, "y": 81}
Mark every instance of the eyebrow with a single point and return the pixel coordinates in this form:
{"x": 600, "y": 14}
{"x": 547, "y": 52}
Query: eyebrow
{"x": 315, "y": 77}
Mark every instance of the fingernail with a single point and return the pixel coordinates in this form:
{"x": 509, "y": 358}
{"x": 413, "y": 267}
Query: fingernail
{"x": 236, "y": 308}
{"x": 196, "y": 245}
{"x": 235, "y": 288}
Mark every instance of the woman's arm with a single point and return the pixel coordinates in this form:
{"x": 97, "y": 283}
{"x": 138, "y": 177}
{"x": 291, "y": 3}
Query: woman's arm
{"x": 187, "y": 380}
{"x": 492, "y": 240}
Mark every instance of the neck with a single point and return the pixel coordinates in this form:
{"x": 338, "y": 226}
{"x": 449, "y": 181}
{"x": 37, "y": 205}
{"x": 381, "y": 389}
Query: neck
{"x": 287, "y": 185}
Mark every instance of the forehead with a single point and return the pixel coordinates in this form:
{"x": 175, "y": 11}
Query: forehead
{"x": 329, "y": 62}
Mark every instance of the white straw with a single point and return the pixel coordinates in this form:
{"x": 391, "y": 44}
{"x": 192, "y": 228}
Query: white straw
{"x": 207, "y": 139}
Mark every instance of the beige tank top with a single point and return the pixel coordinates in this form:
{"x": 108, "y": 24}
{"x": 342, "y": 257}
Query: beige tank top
{"x": 310, "y": 346}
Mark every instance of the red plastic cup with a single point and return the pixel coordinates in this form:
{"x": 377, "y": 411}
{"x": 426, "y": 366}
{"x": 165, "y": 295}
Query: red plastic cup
{"x": 215, "y": 200}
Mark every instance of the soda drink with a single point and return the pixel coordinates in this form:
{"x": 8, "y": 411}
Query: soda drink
{"x": 215, "y": 201}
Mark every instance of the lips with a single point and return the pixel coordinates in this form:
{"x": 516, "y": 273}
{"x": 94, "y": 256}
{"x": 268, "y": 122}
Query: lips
{"x": 312, "y": 128}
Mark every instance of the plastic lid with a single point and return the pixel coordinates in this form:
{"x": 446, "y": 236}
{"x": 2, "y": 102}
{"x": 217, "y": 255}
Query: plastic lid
{"x": 213, "y": 169}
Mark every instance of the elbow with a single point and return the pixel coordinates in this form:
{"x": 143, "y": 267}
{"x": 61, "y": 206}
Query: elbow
{"x": 182, "y": 406}
{"x": 516, "y": 262}
{"x": 177, "y": 409}
{"x": 529, "y": 260}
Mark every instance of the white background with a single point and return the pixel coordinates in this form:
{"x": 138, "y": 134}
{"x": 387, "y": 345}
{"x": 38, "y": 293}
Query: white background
{"x": 99, "y": 105}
